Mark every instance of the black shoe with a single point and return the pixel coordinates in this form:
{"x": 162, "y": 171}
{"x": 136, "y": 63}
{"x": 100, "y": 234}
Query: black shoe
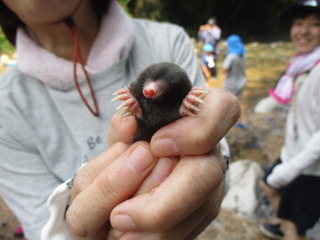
{"x": 273, "y": 231}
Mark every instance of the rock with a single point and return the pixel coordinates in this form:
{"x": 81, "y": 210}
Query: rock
{"x": 242, "y": 195}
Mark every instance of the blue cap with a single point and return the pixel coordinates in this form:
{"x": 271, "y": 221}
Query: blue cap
{"x": 208, "y": 47}
{"x": 235, "y": 45}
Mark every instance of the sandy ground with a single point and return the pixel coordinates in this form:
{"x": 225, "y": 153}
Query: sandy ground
{"x": 8, "y": 222}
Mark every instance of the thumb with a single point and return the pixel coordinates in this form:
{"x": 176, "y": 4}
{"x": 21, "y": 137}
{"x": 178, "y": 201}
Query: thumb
{"x": 121, "y": 129}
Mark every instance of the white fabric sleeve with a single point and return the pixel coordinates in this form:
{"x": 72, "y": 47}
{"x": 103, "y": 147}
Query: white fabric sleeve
{"x": 288, "y": 171}
{"x": 56, "y": 228}
{"x": 225, "y": 150}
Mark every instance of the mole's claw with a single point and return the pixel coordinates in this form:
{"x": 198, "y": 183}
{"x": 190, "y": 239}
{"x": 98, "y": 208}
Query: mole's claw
{"x": 115, "y": 98}
{"x": 122, "y": 97}
{"x": 192, "y": 100}
{"x": 121, "y": 91}
{"x": 195, "y": 108}
{"x": 122, "y": 94}
{"x": 125, "y": 114}
{"x": 197, "y": 99}
{"x": 200, "y": 91}
{"x": 190, "y": 114}
{"x": 122, "y": 105}
{"x": 130, "y": 106}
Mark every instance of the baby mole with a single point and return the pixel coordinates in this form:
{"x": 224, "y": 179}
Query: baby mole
{"x": 161, "y": 94}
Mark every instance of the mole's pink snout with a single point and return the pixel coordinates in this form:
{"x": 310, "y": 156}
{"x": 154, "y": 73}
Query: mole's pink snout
{"x": 149, "y": 93}
{"x": 151, "y": 90}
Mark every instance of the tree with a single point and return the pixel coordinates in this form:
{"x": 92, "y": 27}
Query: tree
{"x": 5, "y": 46}
{"x": 249, "y": 18}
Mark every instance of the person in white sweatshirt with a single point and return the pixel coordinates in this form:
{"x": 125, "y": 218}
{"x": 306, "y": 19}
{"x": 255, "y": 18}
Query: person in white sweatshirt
{"x": 292, "y": 184}
{"x": 55, "y": 110}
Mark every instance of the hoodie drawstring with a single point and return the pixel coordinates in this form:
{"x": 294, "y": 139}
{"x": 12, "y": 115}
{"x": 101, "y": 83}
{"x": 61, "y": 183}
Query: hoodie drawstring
{"x": 77, "y": 57}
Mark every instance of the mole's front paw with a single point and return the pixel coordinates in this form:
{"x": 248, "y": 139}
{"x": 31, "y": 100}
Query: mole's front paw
{"x": 190, "y": 103}
{"x": 130, "y": 106}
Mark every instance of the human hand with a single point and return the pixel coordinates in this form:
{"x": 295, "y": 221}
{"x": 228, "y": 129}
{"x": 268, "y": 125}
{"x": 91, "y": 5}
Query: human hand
{"x": 180, "y": 207}
{"x": 186, "y": 197}
{"x": 103, "y": 183}
{"x": 271, "y": 193}
{"x": 190, "y": 197}
{"x": 198, "y": 135}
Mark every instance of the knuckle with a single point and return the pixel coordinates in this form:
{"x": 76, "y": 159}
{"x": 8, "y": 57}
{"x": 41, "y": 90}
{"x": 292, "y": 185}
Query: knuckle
{"x": 79, "y": 184}
{"x": 161, "y": 222}
{"x": 74, "y": 224}
{"x": 158, "y": 218}
{"x": 109, "y": 185}
{"x": 208, "y": 184}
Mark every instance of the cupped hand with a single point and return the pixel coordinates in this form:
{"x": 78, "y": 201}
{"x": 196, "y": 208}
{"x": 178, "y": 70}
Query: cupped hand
{"x": 190, "y": 197}
{"x": 181, "y": 207}
{"x": 198, "y": 135}
{"x": 103, "y": 183}
{"x": 174, "y": 196}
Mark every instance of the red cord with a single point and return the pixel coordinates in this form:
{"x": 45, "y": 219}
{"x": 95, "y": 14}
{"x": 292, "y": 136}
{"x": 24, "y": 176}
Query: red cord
{"x": 77, "y": 56}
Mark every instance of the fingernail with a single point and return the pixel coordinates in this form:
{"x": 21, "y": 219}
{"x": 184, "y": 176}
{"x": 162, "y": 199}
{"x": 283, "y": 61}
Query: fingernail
{"x": 123, "y": 223}
{"x": 166, "y": 147}
{"x": 139, "y": 160}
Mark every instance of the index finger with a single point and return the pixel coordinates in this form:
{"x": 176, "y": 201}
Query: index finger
{"x": 87, "y": 174}
{"x": 90, "y": 209}
{"x": 197, "y": 135}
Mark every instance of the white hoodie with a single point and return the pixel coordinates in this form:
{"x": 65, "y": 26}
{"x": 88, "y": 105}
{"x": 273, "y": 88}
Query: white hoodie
{"x": 301, "y": 151}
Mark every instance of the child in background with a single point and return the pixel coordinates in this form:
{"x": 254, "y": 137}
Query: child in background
{"x": 234, "y": 68}
{"x": 208, "y": 65}
{"x": 211, "y": 33}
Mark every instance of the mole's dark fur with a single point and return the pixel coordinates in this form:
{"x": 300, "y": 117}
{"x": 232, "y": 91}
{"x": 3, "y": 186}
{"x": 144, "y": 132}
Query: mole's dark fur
{"x": 163, "y": 109}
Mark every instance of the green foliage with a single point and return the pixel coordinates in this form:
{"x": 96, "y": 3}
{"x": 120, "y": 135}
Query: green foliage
{"x": 249, "y": 18}
{"x": 5, "y": 46}
{"x": 124, "y": 4}
{"x": 150, "y": 9}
